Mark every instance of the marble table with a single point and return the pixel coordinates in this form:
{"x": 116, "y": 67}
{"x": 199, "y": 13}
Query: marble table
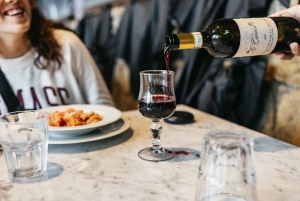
{"x": 110, "y": 169}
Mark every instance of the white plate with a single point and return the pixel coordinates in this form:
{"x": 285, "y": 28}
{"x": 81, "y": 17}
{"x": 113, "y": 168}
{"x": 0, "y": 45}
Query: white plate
{"x": 109, "y": 114}
{"x": 103, "y": 132}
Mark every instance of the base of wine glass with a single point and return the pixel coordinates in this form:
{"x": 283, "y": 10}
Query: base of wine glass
{"x": 155, "y": 155}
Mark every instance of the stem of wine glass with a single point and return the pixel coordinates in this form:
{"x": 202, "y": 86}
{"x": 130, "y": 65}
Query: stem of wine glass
{"x": 156, "y": 129}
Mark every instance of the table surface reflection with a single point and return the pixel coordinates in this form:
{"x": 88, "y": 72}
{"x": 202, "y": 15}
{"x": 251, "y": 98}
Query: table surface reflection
{"x": 110, "y": 169}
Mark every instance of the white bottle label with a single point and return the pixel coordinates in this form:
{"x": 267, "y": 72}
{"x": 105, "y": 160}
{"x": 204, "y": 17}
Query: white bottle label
{"x": 258, "y": 36}
{"x": 198, "y": 40}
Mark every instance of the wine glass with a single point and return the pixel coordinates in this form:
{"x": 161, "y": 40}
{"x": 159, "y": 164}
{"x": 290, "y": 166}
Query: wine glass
{"x": 156, "y": 101}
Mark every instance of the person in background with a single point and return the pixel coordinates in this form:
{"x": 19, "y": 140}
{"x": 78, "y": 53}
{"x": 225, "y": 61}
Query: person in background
{"x": 295, "y": 49}
{"x": 45, "y": 64}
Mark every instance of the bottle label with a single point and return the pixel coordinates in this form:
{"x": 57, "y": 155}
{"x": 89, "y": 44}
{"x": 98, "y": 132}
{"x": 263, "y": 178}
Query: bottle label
{"x": 258, "y": 36}
{"x": 198, "y": 40}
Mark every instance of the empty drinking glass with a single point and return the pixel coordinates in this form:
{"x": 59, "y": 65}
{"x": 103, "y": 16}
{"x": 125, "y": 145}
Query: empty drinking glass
{"x": 226, "y": 171}
{"x": 24, "y": 139}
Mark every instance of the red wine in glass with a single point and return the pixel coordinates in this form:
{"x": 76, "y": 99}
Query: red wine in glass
{"x": 159, "y": 107}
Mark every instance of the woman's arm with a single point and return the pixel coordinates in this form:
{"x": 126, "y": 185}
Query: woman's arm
{"x": 90, "y": 80}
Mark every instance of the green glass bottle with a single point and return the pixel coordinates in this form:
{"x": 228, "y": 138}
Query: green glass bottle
{"x": 240, "y": 37}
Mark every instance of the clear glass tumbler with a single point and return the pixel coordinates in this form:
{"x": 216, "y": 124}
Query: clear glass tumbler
{"x": 226, "y": 171}
{"x": 24, "y": 139}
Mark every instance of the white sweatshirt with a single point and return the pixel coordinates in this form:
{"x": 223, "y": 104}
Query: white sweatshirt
{"x": 78, "y": 81}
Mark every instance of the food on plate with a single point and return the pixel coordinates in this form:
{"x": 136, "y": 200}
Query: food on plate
{"x": 72, "y": 117}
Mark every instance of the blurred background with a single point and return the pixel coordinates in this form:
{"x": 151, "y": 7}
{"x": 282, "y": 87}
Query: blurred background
{"x": 127, "y": 36}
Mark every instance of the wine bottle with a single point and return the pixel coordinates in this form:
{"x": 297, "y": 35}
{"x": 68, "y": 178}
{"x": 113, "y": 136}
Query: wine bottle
{"x": 240, "y": 37}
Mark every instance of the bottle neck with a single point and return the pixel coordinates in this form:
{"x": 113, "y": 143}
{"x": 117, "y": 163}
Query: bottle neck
{"x": 206, "y": 40}
{"x": 183, "y": 41}
{"x": 172, "y": 42}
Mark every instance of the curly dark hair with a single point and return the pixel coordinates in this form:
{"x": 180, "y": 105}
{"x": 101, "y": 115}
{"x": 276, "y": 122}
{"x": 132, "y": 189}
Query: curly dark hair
{"x": 42, "y": 39}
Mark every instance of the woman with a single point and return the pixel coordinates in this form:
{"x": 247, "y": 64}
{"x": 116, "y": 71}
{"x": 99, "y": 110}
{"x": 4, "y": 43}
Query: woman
{"x": 45, "y": 65}
{"x": 295, "y": 49}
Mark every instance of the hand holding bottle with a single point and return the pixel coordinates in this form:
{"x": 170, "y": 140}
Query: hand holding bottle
{"x": 295, "y": 48}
